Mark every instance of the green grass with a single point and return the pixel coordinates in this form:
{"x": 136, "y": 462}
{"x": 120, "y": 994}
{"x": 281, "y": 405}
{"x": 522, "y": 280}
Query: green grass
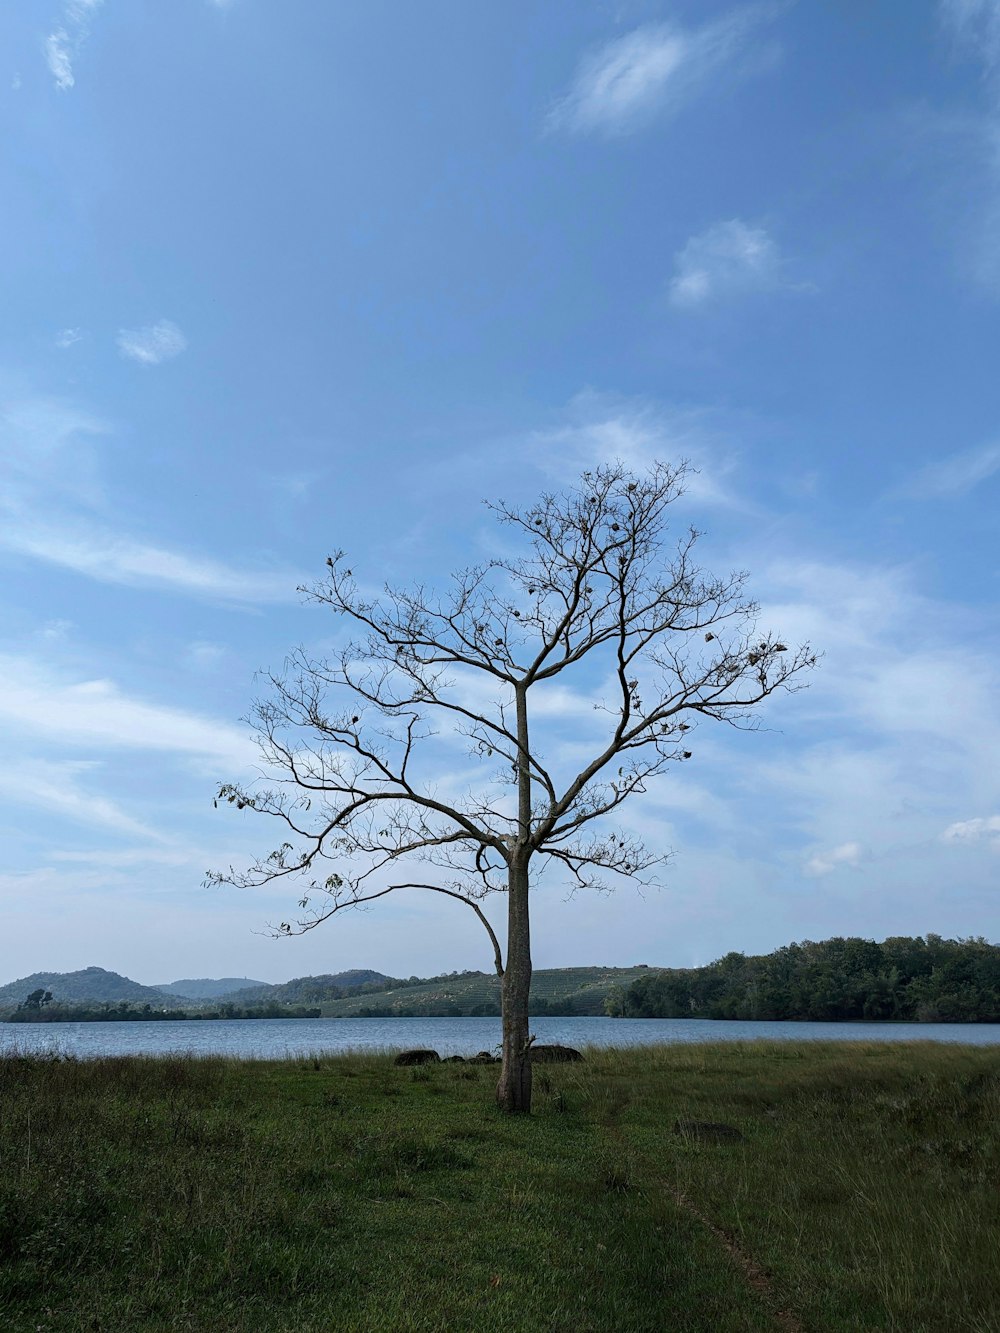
{"x": 329, "y": 1194}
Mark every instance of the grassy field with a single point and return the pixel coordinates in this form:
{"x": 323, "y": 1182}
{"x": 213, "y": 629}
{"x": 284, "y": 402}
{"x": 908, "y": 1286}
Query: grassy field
{"x": 347, "y": 1194}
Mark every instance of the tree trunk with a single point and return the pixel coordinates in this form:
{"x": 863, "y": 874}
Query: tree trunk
{"x": 514, "y": 1088}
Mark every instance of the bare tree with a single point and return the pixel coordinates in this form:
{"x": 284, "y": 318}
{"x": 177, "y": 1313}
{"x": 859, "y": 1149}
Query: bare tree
{"x": 603, "y": 592}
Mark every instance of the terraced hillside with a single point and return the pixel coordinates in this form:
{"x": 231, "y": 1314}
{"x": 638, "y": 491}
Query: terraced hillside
{"x": 564, "y": 990}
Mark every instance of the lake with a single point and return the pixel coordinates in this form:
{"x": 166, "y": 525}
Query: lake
{"x": 276, "y": 1038}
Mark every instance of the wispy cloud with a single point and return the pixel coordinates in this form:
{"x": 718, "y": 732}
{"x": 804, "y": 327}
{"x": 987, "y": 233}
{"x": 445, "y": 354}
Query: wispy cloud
{"x": 955, "y": 474}
{"x": 972, "y": 28}
{"x": 52, "y": 508}
{"x": 58, "y": 52}
{"x": 129, "y": 856}
{"x": 655, "y": 69}
{"x": 974, "y": 830}
{"x": 897, "y": 733}
{"x": 203, "y": 655}
{"x": 67, "y": 337}
{"x": 47, "y": 445}
{"x": 56, "y": 631}
{"x": 59, "y": 788}
{"x": 39, "y": 701}
{"x": 728, "y": 259}
{"x": 149, "y": 346}
{"x": 606, "y": 428}
{"x": 111, "y": 558}
{"x": 975, "y": 27}
{"x": 64, "y": 43}
{"x": 847, "y": 854}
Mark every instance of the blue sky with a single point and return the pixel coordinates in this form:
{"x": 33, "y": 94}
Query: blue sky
{"x": 280, "y": 279}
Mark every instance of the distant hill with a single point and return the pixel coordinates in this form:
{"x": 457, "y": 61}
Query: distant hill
{"x": 208, "y": 988}
{"x": 564, "y": 990}
{"x": 89, "y": 985}
{"x": 353, "y": 993}
{"x": 311, "y": 990}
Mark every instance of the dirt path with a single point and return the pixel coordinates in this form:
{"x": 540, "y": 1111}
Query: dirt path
{"x": 786, "y": 1320}
{"x": 757, "y": 1279}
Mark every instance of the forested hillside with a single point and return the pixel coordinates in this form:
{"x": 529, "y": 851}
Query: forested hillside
{"x": 922, "y": 979}
{"x": 358, "y": 992}
{"x": 564, "y": 990}
{"x": 311, "y": 990}
{"x": 90, "y": 985}
{"x": 207, "y": 988}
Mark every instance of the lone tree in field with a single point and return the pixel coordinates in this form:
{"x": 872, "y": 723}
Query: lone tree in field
{"x": 602, "y": 593}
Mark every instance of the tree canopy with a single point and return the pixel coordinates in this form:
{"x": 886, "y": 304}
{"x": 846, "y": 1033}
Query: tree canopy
{"x": 922, "y": 979}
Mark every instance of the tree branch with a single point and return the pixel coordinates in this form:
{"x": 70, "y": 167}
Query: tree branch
{"x": 357, "y": 900}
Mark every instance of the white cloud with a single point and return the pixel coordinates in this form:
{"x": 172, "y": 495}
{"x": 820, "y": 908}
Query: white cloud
{"x": 47, "y": 449}
{"x": 51, "y": 499}
{"x": 110, "y": 558}
{"x": 42, "y": 702}
{"x": 847, "y": 854}
{"x": 149, "y": 346}
{"x": 727, "y": 259}
{"x": 606, "y": 428}
{"x": 63, "y": 45}
{"x": 655, "y": 69}
{"x": 67, "y": 337}
{"x": 204, "y": 656}
{"x": 884, "y": 669}
{"x": 59, "y": 50}
{"x": 894, "y": 740}
{"x": 129, "y": 856}
{"x": 975, "y": 25}
{"x": 15, "y": 83}
{"x": 57, "y": 787}
{"x": 955, "y": 474}
{"x": 974, "y": 830}
{"x": 55, "y": 631}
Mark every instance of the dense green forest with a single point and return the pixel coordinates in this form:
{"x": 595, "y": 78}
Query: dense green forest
{"x": 924, "y": 980}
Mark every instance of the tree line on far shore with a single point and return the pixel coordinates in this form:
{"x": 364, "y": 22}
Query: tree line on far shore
{"x": 39, "y": 1007}
{"x": 923, "y": 979}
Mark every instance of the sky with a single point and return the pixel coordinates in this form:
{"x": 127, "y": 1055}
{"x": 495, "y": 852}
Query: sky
{"x": 281, "y": 279}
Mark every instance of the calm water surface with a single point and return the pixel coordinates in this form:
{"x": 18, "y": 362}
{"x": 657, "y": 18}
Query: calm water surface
{"x": 275, "y": 1038}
